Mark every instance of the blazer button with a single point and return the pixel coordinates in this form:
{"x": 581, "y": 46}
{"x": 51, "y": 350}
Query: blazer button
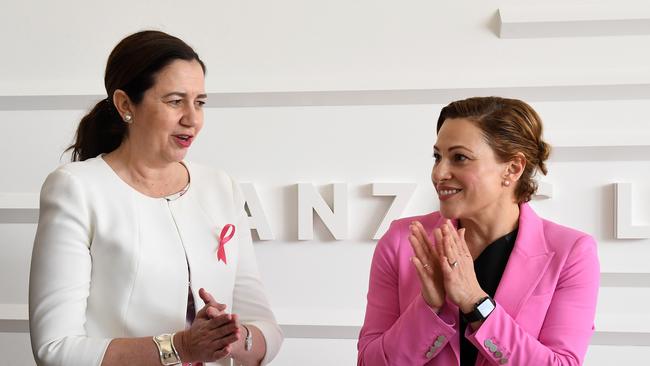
{"x": 497, "y": 354}
{"x": 429, "y": 354}
{"x": 503, "y": 361}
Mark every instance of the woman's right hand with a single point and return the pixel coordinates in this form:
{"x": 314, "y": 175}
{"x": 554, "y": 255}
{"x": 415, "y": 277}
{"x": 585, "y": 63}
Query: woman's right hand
{"x": 427, "y": 265}
{"x": 211, "y": 334}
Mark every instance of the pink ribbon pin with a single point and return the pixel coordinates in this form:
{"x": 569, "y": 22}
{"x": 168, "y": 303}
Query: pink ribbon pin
{"x": 224, "y": 237}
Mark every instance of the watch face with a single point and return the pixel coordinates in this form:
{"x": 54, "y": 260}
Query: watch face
{"x": 485, "y": 308}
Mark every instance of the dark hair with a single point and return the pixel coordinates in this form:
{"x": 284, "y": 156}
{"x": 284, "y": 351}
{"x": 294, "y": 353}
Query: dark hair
{"x": 132, "y": 67}
{"x": 510, "y": 126}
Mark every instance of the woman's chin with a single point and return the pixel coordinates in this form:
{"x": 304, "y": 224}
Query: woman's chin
{"x": 449, "y": 212}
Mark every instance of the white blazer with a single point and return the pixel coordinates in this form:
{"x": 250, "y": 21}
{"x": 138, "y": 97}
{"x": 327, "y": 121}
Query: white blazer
{"x": 110, "y": 262}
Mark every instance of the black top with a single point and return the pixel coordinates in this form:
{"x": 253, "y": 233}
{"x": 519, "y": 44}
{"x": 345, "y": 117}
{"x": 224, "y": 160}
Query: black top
{"x": 489, "y": 267}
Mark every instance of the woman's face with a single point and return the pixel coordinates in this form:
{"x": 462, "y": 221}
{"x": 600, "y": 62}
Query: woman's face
{"x": 466, "y": 174}
{"x": 170, "y": 115}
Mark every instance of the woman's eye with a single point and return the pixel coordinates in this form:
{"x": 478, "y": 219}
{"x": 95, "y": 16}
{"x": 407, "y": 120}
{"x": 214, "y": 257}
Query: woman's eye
{"x": 436, "y": 157}
{"x": 200, "y": 103}
{"x": 175, "y": 102}
{"x": 460, "y": 157}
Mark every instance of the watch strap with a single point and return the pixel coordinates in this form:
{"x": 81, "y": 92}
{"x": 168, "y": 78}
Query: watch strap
{"x": 475, "y": 314}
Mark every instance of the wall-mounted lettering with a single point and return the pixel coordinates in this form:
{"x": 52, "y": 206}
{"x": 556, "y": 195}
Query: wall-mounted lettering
{"x": 335, "y": 218}
{"x": 623, "y": 217}
{"x": 402, "y": 192}
{"x": 257, "y": 219}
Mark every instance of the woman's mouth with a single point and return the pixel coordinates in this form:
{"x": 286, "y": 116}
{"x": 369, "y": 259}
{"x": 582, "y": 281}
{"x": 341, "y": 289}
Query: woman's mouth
{"x": 447, "y": 193}
{"x": 184, "y": 140}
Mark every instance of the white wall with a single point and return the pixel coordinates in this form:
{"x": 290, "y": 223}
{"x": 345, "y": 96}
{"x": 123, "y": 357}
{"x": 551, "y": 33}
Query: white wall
{"x": 364, "y": 123}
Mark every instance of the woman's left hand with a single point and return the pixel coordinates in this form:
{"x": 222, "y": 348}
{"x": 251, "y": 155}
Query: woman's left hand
{"x": 457, "y": 265}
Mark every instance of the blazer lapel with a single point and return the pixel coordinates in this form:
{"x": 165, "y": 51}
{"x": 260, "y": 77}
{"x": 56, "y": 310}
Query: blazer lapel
{"x": 527, "y": 263}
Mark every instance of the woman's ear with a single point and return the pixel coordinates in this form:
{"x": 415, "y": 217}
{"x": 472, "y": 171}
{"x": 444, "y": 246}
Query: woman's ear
{"x": 123, "y": 105}
{"x": 515, "y": 167}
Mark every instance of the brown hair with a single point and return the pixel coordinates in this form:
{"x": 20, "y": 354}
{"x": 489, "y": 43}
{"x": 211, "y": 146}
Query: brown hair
{"x": 132, "y": 67}
{"x": 510, "y": 126}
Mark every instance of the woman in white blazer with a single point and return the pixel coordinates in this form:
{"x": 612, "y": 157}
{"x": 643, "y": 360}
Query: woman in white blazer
{"x": 141, "y": 258}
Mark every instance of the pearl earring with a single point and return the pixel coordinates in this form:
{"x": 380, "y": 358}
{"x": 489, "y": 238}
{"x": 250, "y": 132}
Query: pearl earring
{"x": 506, "y": 183}
{"x": 128, "y": 118}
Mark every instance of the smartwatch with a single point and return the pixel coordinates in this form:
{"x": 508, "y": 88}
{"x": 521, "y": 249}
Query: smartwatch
{"x": 482, "y": 309}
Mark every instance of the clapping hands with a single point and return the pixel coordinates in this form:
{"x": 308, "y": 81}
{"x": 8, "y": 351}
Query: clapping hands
{"x": 445, "y": 266}
{"x": 212, "y": 333}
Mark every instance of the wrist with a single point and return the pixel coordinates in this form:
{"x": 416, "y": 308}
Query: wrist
{"x": 180, "y": 343}
{"x": 468, "y": 305}
{"x": 237, "y": 347}
{"x": 433, "y": 305}
{"x": 248, "y": 338}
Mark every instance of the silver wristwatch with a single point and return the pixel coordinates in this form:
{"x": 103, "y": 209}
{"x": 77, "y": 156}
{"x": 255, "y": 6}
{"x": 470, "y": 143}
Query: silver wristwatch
{"x": 248, "y": 341}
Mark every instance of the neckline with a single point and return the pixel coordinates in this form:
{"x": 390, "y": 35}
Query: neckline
{"x": 170, "y": 197}
{"x": 179, "y": 194}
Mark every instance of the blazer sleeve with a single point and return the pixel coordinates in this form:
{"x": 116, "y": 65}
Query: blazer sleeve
{"x": 389, "y": 337}
{"x": 568, "y": 325}
{"x": 59, "y": 280}
{"x": 249, "y": 297}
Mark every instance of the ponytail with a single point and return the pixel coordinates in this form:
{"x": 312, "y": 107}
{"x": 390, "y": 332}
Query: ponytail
{"x": 100, "y": 131}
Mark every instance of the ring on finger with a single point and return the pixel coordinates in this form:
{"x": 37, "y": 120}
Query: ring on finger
{"x": 453, "y": 264}
{"x": 426, "y": 266}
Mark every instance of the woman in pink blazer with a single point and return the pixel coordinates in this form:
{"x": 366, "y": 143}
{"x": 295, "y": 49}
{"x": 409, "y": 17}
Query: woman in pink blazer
{"x": 484, "y": 281}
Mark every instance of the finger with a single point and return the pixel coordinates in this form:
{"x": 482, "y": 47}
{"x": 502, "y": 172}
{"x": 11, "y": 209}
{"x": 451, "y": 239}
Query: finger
{"x": 225, "y": 330}
{"x": 456, "y": 237}
{"x": 421, "y": 234}
{"x": 437, "y": 234}
{"x": 431, "y": 251}
{"x": 453, "y": 240}
{"x": 210, "y": 300}
{"x": 221, "y": 353}
{"x": 421, "y": 271}
{"x": 449, "y": 252}
{"x": 208, "y": 312}
{"x": 445, "y": 267}
{"x": 202, "y": 313}
{"x": 219, "y": 321}
{"x": 205, "y": 296}
{"x": 213, "y": 312}
{"x": 235, "y": 319}
{"x": 463, "y": 243}
{"x": 419, "y": 253}
{"x": 414, "y": 231}
{"x": 224, "y": 342}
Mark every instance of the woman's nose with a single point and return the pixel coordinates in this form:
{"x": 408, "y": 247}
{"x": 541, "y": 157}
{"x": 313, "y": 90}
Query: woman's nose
{"x": 190, "y": 116}
{"x": 440, "y": 172}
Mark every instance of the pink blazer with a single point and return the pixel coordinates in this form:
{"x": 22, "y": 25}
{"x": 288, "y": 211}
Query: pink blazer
{"x": 546, "y": 302}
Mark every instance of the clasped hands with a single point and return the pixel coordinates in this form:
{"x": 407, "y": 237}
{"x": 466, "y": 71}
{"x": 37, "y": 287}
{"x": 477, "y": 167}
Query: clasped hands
{"x": 445, "y": 266}
{"x": 211, "y": 335}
